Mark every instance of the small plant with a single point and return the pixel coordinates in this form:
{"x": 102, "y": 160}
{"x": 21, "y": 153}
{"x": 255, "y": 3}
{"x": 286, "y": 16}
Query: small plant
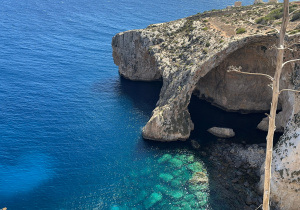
{"x": 205, "y": 21}
{"x": 294, "y": 31}
{"x": 296, "y": 16}
{"x": 207, "y": 44}
{"x": 240, "y": 30}
{"x": 205, "y": 28}
{"x": 205, "y": 51}
{"x": 221, "y": 41}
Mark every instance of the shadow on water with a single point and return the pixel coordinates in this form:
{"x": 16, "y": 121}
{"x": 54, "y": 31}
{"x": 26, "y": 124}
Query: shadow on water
{"x": 145, "y": 95}
{"x": 205, "y": 116}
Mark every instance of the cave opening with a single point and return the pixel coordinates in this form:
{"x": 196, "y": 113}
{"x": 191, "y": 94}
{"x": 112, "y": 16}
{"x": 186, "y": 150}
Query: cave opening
{"x": 239, "y": 101}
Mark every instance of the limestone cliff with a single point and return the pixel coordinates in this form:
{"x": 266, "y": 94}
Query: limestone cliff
{"x": 192, "y": 55}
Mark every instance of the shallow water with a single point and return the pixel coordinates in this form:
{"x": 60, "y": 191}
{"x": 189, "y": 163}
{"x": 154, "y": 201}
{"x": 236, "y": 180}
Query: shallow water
{"x": 70, "y": 127}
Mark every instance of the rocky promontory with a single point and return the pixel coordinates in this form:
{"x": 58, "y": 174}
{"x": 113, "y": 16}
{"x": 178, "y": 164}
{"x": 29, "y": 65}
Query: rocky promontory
{"x": 192, "y": 56}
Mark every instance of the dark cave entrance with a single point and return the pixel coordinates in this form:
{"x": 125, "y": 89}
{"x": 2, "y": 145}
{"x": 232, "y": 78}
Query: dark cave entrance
{"x": 235, "y": 94}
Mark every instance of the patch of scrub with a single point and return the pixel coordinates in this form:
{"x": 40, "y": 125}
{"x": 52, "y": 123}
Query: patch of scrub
{"x": 167, "y": 181}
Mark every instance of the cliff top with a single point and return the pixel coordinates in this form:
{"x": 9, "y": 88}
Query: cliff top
{"x": 185, "y": 42}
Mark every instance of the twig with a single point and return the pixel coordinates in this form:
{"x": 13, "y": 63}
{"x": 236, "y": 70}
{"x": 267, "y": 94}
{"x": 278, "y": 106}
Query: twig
{"x": 290, "y": 62}
{"x": 296, "y": 91}
{"x": 259, "y": 206}
{"x": 293, "y": 12}
{"x": 238, "y": 70}
{"x": 295, "y": 43}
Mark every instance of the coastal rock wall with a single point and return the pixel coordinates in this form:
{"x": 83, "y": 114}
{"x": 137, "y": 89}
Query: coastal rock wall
{"x": 285, "y": 182}
{"x": 131, "y": 54}
{"x": 192, "y": 55}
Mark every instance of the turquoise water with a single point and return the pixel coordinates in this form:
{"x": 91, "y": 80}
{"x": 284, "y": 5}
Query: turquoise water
{"x": 70, "y": 127}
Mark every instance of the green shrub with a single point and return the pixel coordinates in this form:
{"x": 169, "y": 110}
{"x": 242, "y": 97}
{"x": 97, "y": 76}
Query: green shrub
{"x": 221, "y": 41}
{"x": 273, "y": 15}
{"x": 294, "y": 31}
{"x": 296, "y": 16}
{"x": 205, "y": 51}
{"x": 205, "y": 29}
{"x": 205, "y": 21}
{"x": 240, "y": 30}
{"x": 207, "y": 44}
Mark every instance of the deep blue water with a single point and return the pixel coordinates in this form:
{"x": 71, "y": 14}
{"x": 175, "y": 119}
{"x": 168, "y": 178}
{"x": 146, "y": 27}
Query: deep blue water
{"x": 70, "y": 127}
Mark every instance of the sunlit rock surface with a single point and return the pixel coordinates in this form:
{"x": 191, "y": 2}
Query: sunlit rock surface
{"x": 192, "y": 55}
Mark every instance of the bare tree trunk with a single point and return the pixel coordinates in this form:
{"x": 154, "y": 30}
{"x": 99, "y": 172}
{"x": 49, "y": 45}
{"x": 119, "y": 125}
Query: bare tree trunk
{"x": 272, "y": 128}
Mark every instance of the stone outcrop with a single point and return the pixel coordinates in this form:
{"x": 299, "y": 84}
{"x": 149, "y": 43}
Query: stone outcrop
{"x": 285, "y": 182}
{"x": 192, "y": 55}
{"x": 221, "y": 132}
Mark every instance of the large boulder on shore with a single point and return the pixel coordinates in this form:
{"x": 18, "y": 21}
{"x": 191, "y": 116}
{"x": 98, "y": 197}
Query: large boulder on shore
{"x": 222, "y": 132}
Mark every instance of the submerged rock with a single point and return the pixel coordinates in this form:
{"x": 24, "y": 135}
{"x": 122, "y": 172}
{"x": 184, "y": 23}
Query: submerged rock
{"x": 222, "y": 132}
{"x": 152, "y": 200}
{"x": 199, "y": 177}
{"x": 165, "y": 158}
{"x": 195, "y": 144}
{"x": 177, "y": 172}
{"x": 166, "y": 177}
{"x": 195, "y": 167}
{"x": 176, "y": 194}
{"x": 190, "y": 158}
{"x": 176, "y": 162}
{"x": 140, "y": 197}
{"x": 161, "y": 188}
{"x": 175, "y": 183}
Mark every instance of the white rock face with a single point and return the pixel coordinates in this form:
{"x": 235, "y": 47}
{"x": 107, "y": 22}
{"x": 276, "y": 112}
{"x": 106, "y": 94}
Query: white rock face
{"x": 192, "y": 55}
{"x": 222, "y": 132}
{"x": 285, "y": 182}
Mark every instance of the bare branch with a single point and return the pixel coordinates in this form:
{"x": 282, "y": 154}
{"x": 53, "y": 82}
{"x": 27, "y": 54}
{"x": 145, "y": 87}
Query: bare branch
{"x": 296, "y": 91}
{"x": 294, "y": 12}
{"x": 295, "y": 43}
{"x": 290, "y": 61}
{"x": 238, "y": 70}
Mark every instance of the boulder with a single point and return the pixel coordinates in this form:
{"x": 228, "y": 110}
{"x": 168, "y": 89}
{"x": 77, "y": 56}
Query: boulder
{"x": 222, "y": 132}
{"x": 195, "y": 144}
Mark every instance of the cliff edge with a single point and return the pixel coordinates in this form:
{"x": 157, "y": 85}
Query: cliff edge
{"x": 192, "y": 56}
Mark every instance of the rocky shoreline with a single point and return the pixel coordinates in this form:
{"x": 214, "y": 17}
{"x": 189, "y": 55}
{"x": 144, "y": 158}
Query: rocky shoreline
{"x": 236, "y": 170}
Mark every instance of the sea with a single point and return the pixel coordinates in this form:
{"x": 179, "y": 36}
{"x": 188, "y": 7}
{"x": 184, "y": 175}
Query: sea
{"x": 70, "y": 126}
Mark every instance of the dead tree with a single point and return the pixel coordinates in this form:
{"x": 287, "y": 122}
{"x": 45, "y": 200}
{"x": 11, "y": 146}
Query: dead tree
{"x": 276, "y": 92}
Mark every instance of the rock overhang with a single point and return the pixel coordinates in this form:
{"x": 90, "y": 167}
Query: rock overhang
{"x": 183, "y": 53}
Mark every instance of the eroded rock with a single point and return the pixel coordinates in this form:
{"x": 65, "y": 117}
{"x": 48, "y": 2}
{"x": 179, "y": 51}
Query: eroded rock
{"x": 222, "y": 132}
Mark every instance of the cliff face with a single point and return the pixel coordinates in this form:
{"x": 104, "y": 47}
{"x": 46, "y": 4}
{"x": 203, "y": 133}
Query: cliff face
{"x": 285, "y": 182}
{"x": 192, "y": 55}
